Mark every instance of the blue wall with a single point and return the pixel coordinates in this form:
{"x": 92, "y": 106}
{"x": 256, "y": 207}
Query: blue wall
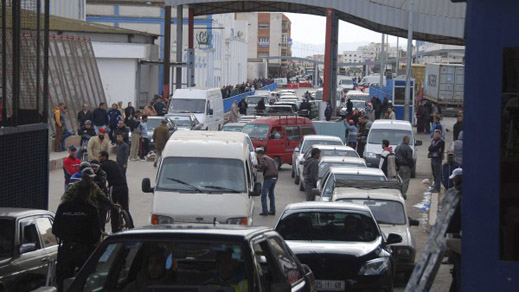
{"x": 227, "y": 103}
{"x": 490, "y": 27}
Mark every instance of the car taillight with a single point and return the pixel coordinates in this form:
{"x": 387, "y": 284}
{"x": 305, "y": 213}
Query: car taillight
{"x": 154, "y": 219}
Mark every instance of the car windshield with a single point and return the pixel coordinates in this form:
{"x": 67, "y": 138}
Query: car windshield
{"x": 328, "y": 226}
{"x": 385, "y": 212}
{"x": 201, "y": 174}
{"x": 280, "y": 109}
{"x": 184, "y": 105}
{"x": 337, "y": 152}
{"x": 323, "y": 167}
{"x": 359, "y": 104}
{"x": 359, "y": 177}
{"x": 254, "y": 99}
{"x": 152, "y": 124}
{"x": 256, "y": 131}
{"x": 346, "y": 82}
{"x": 310, "y": 143}
{"x": 6, "y": 238}
{"x": 394, "y": 137}
{"x": 182, "y": 121}
{"x": 167, "y": 265}
{"x": 232, "y": 128}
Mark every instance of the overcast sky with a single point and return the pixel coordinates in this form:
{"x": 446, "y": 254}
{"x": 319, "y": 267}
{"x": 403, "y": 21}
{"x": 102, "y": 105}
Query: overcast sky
{"x": 311, "y": 29}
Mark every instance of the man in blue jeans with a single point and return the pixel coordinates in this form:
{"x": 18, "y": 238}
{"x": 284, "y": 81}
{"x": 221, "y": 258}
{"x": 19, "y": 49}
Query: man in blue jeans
{"x": 270, "y": 177}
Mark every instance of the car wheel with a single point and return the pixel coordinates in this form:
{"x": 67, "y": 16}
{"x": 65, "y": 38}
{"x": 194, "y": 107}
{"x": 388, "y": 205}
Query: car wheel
{"x": 297, "y": 180}
{"x": 301, "y": 187}
{"x": 278, "y": 162}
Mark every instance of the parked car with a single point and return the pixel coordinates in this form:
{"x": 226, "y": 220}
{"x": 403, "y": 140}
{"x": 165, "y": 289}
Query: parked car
{"x": 326, "y": 150}
{"x": 388, "y": 206}
{"x": 305, "y": 144}
{"x": 252, "y": 102}
{"x": 185, "y": 121}
{"x": 200, "y": 170}
{"x": 155, "y": 121}
{"x": 339, "y": 161}
{"x": 279, "y": 109}
{"x": 341, "y": 243}
{"x": 290, "y": 129}
{"x": 27, "y": 246}
{"x": 326, "y": 185}
{"x": 394, "y": 131}
{"x": 233, "y": 127}
{"x": 205, "y": 104}
{"x": 194, "y": 258}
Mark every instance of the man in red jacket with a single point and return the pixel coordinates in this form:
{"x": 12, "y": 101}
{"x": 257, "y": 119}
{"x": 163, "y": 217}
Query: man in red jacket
{"x": 70, "y": 164}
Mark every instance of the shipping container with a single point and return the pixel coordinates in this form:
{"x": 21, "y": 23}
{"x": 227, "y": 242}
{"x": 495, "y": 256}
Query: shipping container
{"x": 444, "y": 83}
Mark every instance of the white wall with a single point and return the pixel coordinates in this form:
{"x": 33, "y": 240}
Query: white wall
{"x": 276, "y": 25}
{"x": 119, "y": 79}
{"x": 65, "y": 8}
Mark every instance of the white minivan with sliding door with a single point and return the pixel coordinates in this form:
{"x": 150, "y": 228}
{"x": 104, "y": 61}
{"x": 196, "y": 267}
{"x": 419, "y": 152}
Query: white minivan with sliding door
{"x": 205, "y": 104}
{"x": 204, "y": 177}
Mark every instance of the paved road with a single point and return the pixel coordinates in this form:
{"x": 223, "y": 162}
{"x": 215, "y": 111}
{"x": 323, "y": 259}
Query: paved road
{"x": 286, "y": 192}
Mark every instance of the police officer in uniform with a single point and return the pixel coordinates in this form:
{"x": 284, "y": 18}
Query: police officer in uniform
{"x": 76, "y": 225}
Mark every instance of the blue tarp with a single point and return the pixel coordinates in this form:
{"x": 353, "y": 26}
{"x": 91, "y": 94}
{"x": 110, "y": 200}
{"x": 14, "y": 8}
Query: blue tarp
{"x": 227, "y": 103}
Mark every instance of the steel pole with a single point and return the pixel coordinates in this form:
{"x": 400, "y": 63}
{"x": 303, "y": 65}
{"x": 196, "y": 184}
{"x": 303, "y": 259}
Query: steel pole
{"x": 167, "y": 53}
{"x": 180, "y": 37}
{"x": 382, "y": 65}
{"x": 409, "y": 60}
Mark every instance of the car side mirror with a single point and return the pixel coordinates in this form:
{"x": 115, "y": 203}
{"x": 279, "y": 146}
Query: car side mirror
{"x": 280, "y": 287}
{"x": 418, "y": 143}
{"x": 393, "y": 238}
{"x": 413, "y": 222}
{"x": 146, "y": 186}
{"x": 297, "y": 149}
{"x": 27, "y": 247}
{"x": 256, "y": 190}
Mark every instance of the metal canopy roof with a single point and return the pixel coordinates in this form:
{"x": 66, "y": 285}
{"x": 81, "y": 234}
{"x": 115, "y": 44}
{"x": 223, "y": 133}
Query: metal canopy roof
{"x": 438, "y": 21}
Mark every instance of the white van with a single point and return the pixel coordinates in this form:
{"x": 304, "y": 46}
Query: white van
{"x": 345, "y": 83}
{"x": 392, "y": 130}
{"x": 204, "y": 177}
{"x": 369, "y": 79}
{"x": 205, "y": 104}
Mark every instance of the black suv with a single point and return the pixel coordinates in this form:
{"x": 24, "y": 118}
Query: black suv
{"x": 194, "y": 258}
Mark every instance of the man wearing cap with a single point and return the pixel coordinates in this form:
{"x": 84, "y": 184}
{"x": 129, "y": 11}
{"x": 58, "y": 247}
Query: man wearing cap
{"x": 70, "y": 164}
{"x": 447, "y": 170}
{"x": 351, "y": 134}
{"x": 97, "y": 144}
{"x": 160, "y": 136}
{"x": 436, "y": 150}
{"x": 311, "y": 173}
{"x": 270, "y": 178}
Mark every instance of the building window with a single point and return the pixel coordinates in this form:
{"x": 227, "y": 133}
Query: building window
{"x": 263, "y": 42}
{"x": 263, "y": 26}
{"x": 284, "y": 38}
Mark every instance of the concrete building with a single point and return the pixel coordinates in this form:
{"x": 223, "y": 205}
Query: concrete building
{"x": 220, "y": 42}
{"x": 352, "y": 57}
{"x": 269, "y": 35}
{"x": 439, "y": 53}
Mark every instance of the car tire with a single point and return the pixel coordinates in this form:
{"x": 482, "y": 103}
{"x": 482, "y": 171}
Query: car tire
{"x": 301, "y": 187}
{"x": 278, "y": 162}
{"x": 297, "y": 180}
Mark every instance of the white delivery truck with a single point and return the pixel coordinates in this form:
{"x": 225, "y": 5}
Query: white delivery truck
{"x": 205, "y": 104}
{"x": 204, "y": 177}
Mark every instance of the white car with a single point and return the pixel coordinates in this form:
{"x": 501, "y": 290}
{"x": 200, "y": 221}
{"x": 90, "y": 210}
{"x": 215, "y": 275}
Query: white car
{"x": 339, "y": 161}
{"x": 388, "y": 207}
{"x": 326, "y": 150}
{"x": 305, "y": 144}
{"x": 328, "y": 181}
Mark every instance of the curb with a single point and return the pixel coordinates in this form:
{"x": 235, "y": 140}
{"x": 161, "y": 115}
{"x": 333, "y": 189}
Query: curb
{"x": 433, "y": 210}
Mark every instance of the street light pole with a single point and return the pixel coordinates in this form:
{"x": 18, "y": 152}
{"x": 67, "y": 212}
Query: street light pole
{"x": 410, "y": 7}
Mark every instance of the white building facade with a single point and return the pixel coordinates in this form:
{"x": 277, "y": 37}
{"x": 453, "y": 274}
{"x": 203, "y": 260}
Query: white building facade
{"x": 438, "y": 53}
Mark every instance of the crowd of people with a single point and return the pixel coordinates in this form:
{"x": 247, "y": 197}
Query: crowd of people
{"x": 230, "y": 91}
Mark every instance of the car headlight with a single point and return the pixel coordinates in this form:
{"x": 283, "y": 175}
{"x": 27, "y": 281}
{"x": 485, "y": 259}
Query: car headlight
{"x": 370, "y": 155}
{"x": 403, "y": 252}
{"x": 374, "y": 267}
{"x": 238, "y": 221}
{"x": 160, "y": 219}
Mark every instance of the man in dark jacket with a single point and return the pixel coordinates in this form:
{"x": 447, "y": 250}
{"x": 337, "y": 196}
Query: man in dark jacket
{"x": 311, "y": 173}
{"x": 84, "y": 115}
{"x": 405, "y": 163}
{"x": 270, "y": 177}
{"x": 160, "y": 106}
{"x": 100, "y": 117}
{"x": 377, "y": 106}
{"x": 123, "y": 152}
{"x": 349, "y": 107}
{"x": 436, "y": 150}
{"x": 458, "y": 127}
{"x": 123, "y": 130}
{"x": 160, "y": 136}
{"x": 243, "y": 106}
{"x": 447, "y": 169}
{"x": 114, "y": 116}
{"x": 129, "y": 112}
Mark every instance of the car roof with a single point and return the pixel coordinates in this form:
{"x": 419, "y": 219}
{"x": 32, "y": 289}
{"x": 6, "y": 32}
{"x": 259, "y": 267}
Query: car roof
{"x": 374, "y": 194}
{"x": 391, "y": 124}
{"x": 208, "y": 144}
{"x": 282, "y": 120}
{"x": 198, "y": 229}
{"x": 321, "y": 137}
{"x": 343, "y": 206}
{"x": 332, "y": 147}
{"x": 345, "y": 159}
{"x": 22, "y": 212}
{"x": 356, "y": 170}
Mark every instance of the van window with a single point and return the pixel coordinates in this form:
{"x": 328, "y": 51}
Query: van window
{"x": 276, "y": 133}
{"x": 293, "y": 133}
{"x": 208, "y": 107}
{"x": 202, "y": 175}
{"x": 256, "y": 131}
{"x": 184, "y": 105}
{"x": 307, "y": 131}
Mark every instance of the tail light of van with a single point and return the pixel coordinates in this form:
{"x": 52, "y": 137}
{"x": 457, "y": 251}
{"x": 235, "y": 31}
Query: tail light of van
{"x": 238, "y": 221}
{"x": 159, "y": 219}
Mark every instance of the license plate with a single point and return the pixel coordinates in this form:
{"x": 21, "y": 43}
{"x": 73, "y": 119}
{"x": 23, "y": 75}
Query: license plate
{"x": 326, "y": 285}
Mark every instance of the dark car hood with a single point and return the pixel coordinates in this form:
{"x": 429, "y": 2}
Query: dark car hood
{"x": 356, "y": 249}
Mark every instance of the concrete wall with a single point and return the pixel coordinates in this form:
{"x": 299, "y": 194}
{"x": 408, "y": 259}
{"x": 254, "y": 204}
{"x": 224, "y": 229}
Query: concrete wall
{"x": 252, "y": 34}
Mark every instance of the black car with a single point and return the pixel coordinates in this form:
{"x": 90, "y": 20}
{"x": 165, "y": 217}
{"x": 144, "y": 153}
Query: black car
{"x": 27, "y": 246}
{"x": 341, "y": 243}
{"x": 194, "y": 258}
